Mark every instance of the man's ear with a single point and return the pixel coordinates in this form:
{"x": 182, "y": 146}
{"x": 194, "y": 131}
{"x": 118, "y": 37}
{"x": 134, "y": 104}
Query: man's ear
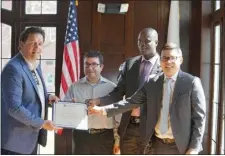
{"x": 102, "y": 66}
{"x": 20, "y": 45}
{"x": 156, "y": 42}
{"x": 181, "y": 60}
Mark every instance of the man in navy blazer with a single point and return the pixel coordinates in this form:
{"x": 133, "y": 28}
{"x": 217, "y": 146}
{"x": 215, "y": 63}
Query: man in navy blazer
{"x": 174, "y": 108}
{"x": 24, "y": 98}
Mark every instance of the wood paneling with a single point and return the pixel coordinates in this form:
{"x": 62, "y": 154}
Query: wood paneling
{"x": 115, "y": 35}
{"x": 85, "y": 25}
{"x": 145, "y": 15}
{"x": 195, "y": 38}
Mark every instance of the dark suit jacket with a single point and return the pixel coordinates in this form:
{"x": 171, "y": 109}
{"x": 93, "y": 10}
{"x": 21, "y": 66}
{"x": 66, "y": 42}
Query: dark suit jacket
{"x": 21, "y": 108}
{"x": 128, "y": 85}
{"x": 187, "y": 110}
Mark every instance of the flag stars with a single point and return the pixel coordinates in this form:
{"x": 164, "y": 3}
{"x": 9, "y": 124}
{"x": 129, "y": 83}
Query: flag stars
{"x": 71, "y": 29}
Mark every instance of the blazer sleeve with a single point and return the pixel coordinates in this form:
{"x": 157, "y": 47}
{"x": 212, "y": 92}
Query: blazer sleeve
{"x": 118, "y": 92}
{"x": 12, "y": 90}
{"x": 198, "y": 114}
{"x": 137, "y": 99}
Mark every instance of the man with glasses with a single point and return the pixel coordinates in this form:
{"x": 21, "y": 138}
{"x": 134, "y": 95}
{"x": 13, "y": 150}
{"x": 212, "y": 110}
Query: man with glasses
{"x": 99, "y": 139}
{"x": 175, "y": 108}
{"x": 135, "y": 72}
{"x": 24, "y": 102}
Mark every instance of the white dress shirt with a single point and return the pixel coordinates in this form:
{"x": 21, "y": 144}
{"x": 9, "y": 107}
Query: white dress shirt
{"x": 168, "y": 134}
{"x": 40, "y": 87}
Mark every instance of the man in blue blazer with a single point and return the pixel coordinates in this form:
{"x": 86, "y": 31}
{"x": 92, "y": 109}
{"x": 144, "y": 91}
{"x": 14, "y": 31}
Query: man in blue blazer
{"x": 24, "y": 98}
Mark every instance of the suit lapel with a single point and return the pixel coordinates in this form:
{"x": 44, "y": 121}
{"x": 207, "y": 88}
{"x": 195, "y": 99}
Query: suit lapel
{"x": 29, "y": 74}
{"x": 42, "y": 79}
{"x": 157, "y": 103}
{"x": 177, "y": 86}
{"x": 156, "y": 67}
{"x": 159, "y": 86}
{"x": 135, "y": 69}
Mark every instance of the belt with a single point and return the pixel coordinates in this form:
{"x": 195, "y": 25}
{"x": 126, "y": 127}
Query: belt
{"x": 166, "y": 141}
{"x": 97, "y": 131}
{"x": 135, "y": 120}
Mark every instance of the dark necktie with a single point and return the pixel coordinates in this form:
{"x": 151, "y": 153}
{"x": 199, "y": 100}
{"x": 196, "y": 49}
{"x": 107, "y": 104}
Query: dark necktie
{"x": 144, "y": 73}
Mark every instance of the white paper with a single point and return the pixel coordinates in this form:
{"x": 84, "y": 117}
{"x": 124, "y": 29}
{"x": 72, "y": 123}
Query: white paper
{"x": 70, "y": 115}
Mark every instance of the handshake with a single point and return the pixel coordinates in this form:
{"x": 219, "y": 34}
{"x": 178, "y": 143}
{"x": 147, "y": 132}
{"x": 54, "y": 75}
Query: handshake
{"x": 93, "y": 107}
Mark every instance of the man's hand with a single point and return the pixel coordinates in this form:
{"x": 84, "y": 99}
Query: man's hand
{"x": 116, "y": 149}
{"x": 74, "y": 100}
{"x": 192, "y": 151}
{"x": 96, "y": 110}
{"x": 53, "y": 98}
{"x": 49, "y": 125}
{"x": 94, "y": 102}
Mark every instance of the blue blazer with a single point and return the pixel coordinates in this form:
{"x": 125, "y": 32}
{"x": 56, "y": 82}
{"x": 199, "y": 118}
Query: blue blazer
{"x": 21, "y": 107}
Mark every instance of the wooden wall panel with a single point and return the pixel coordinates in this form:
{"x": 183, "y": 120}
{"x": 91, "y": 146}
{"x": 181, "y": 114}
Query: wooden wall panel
{"x": 112, "y": 29}
{"x": 85, "y": 25}
{"x": 112, "y": 43}
{"x": 145, "y": 15}
{"x": 115, "y": 35}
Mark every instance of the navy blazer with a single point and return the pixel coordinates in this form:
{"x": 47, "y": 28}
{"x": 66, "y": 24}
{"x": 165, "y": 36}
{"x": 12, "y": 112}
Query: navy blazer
{"x": 21, "y": 107}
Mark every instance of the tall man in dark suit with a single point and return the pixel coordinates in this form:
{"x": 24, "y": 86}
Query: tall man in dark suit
{"x": 24, "y": 98}
{"x": 174, "y": 108}
{"x": 136, "y": 70}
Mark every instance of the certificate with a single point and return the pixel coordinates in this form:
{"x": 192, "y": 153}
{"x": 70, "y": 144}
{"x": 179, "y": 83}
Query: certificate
{"x": 70, "y": 115}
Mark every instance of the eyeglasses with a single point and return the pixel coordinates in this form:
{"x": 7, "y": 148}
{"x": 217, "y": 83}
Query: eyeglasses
{"x": 35, "y": 43}
{"x": 93, "y": 65}
{"x": 171, "y": 58}
{"x": 35, "y": 77}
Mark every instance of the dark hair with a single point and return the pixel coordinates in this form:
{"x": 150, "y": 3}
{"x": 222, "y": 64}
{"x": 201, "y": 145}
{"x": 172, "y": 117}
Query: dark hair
{"x": 171, "y": 46}
{"x": 94, "y": 53}
{"x": 31, "y": 30}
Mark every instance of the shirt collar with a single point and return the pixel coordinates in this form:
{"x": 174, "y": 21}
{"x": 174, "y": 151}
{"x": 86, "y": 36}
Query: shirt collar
{"x": 31, "y": 66}
{"x": 151, "y": 60}
{"x": 85, "y": 80}
{"x": 174, "y": 77}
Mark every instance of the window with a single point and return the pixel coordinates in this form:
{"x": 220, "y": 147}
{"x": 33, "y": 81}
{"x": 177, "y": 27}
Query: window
{"x": 7, "y": 4}
{"x": 217, "y": 80}
{"x": 217, "y": 129}
{"x": 6, "y": 33}
{"x": 48, "y": 65}
{"x": 41, "y": 7}
{"x": 44, "y": 14}
{"x": 217, "y": 4}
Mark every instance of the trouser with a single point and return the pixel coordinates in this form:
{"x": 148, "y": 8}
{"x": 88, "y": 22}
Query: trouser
{"x": 130, "y": 140}
{"x": 159, "y": 147}
{"x": 8, "y": 152}
{"x": 97, "y": 143}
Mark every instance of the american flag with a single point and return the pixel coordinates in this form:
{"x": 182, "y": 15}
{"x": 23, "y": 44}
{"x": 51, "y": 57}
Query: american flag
{"x": 71, "y": 53}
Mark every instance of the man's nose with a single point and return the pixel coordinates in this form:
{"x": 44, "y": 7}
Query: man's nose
{"x": 169, "y": 60}
{"x": 89, "y": 67}
{"x": 36, "y": 45}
